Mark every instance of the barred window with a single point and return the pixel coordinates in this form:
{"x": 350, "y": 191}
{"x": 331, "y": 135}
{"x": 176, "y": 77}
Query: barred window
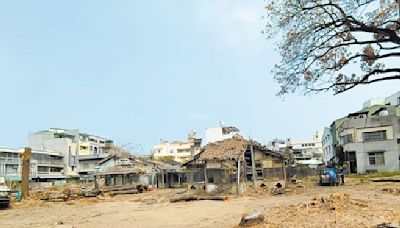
{"x": 374, "y": 136}
{"x": 376, "y": 158}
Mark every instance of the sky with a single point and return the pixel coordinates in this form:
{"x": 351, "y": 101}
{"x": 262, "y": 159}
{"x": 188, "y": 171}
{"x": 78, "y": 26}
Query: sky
{"x": 141, "y": 71}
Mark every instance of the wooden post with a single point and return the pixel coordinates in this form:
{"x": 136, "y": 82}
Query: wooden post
{"x": 253, "y": 166}
{"x": 238, "y": 177}
{"x": 205, "y": 173}
{"x": 26, "y": 160}
{"x": 284, "y": 172}
{"x": 162, "y": 179}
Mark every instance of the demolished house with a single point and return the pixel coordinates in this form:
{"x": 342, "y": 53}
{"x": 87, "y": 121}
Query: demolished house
{"x": 144, "y": 173}
{"x": 228, "y": 166}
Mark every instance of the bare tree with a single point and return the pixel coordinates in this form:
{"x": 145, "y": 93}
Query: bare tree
{"x": 334, "y": 44}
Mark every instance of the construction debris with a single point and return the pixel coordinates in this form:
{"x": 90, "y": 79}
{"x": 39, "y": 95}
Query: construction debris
{"x": 386, "y": 225}
{"x": 133, "y": 191}
{"x": 257, "y": 218}
{"x": 394, "y": 191}
{"x": 118, "y": 188}
{"x": 196, "y": 197}
{"x": 335, "y": 202}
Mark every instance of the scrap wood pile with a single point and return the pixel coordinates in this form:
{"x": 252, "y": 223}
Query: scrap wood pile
{"x": 71, "y": 193}
{"x": 121, "y": 190}
{"x": 63, "y": 194}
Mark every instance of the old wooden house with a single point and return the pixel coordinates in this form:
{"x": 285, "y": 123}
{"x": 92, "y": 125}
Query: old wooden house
{"x": 234, "y": 164}
{"x": 152, "y": 174}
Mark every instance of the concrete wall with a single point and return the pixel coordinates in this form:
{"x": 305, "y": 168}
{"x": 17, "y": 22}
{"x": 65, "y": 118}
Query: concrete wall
{"x": 391, "y": 155}
{"x": 327, "y": 145}
{"x": 216, "y": 134}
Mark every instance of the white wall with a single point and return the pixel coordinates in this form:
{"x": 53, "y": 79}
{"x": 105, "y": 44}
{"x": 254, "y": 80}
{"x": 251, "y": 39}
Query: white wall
{"x": 216, "y": 134}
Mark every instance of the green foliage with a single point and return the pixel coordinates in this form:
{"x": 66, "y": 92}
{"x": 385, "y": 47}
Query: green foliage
{"x": 166, "y": 159}
{"x": 375, "y": 175}
{"x": 323, "y": 40}
{"x": 71, "y": 181}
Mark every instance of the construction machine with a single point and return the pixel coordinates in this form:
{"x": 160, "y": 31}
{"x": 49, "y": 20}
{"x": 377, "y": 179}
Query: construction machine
{"x": 330, "y": 176}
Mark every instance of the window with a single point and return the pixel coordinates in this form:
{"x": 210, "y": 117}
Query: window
{"x": 43, "y": 169}
{"x": 376, "y": 158}
{"x": 374, "y": 136}
{"x": 11, "y": 169}
{"x": 347, "y": 138}
{"x": 398, "y": 101}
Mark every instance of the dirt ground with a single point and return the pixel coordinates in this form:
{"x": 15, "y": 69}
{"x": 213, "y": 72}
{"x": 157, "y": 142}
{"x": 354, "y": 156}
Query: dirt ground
{"x": 356, "y": 204}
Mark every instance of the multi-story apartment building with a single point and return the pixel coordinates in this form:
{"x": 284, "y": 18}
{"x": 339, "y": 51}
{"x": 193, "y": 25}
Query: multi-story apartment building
{"x": 76, "y": 147}
{"x": 277, "y": 145}
{"x": 328, "y": 146}
{"x": 45, "y": 165}
{"x": 370, "y": 139}
{"x": 221, "y": 133}
{"x": 179, "y": 151}
{"x": 307, "y": 152}
{"x": 353, "y": 151}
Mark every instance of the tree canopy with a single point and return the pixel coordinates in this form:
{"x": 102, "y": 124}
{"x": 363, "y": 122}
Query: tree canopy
{"x": 334, "y": 45}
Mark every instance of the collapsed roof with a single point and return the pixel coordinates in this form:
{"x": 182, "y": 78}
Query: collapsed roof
{"x": 231, "y": 149}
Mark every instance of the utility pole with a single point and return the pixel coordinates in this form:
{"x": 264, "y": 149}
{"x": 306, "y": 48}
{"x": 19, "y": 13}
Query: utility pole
{"x": 253, "y": 166}
{"x": 26, "y": 160}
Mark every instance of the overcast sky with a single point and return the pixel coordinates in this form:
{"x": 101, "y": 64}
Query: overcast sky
{"x": 141, "y": 71}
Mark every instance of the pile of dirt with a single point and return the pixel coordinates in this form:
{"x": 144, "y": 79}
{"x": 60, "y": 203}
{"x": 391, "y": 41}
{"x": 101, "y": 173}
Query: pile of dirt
{"x": 335, "y": 202}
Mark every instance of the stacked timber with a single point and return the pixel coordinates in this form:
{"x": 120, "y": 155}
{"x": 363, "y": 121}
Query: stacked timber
{"x": 120, "y": 190}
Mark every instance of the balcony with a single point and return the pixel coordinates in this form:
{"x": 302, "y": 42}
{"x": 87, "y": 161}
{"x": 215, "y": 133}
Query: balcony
{"x": 51, "y": 162}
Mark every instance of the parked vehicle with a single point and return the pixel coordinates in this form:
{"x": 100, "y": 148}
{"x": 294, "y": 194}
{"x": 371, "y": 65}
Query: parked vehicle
{"x": 4, "y": 193}
{"x": 329, "y": 176}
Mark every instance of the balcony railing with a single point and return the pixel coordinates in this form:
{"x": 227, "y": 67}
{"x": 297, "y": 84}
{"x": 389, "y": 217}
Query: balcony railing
{"x": 9, "y": 159}
{"x": 47, "y": 162}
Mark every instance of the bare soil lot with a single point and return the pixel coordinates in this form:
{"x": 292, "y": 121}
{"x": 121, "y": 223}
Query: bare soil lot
{"x": 353, "y": 205}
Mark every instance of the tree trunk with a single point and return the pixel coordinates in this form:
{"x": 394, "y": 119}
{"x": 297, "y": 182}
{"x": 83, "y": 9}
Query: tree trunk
{"x": 26, "y": 160}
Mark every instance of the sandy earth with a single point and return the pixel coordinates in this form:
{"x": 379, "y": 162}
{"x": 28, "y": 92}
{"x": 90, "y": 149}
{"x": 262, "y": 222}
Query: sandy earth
{"x": 352, "y": 205}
